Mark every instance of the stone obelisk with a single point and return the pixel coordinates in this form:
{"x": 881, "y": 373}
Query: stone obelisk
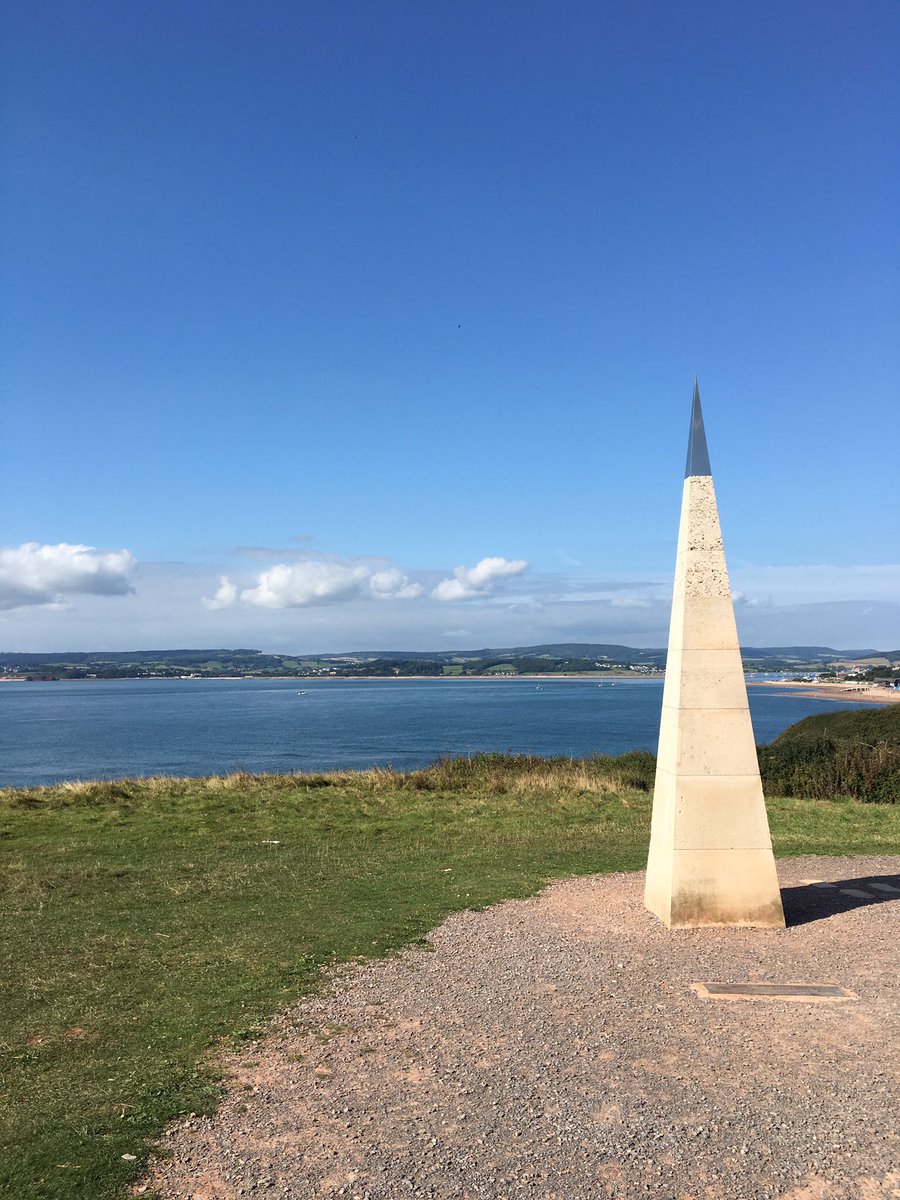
{"x": 710, "y": 860}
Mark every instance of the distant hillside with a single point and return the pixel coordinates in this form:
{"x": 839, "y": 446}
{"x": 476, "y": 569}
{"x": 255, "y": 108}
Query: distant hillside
{"x": 10, "y": 658}
{"x": 612, "y": 651}
{"x": 803, "y": 653}
{"x": 554, "y": 650}
{"x": 562, "y": 658}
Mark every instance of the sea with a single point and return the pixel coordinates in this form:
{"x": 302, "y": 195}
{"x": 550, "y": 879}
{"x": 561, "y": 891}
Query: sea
{"x": 99, "y": 729}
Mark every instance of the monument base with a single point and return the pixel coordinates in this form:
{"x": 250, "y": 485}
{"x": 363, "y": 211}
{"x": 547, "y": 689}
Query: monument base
{"x": 710, "y": 888}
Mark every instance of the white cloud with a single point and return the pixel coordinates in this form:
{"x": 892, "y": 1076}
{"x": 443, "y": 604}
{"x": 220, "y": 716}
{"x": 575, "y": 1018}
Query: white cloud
{"x": 306, "y": 584}
{"x": 32, "y": 574}
{"x": 394, "y": 585}
{"x": 479, "y": 580}
{"x": 317, "y": 581}
{"x": 452, "y": 589}
{"x": 225, "y": 596}
{"x": 742, "y": 600}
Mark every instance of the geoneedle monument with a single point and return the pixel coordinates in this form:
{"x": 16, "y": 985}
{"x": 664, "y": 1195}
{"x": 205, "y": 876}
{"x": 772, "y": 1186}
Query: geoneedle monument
{"x": 710, "y": 860}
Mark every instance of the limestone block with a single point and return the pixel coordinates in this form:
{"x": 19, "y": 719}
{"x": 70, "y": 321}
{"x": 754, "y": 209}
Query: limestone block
{"x": 669, "y": 739}
{"x": 658, "y": 893}
{"x": 708, "y": 624}
{"x": 725, "y": 887}
{"x": 708, "y": 678}
{"x": 722, "y": 813}
{"x": 716, "y": 741}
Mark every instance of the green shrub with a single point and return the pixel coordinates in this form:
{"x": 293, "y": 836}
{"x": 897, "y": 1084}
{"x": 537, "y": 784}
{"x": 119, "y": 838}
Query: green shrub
{"x": 854, "y": 754}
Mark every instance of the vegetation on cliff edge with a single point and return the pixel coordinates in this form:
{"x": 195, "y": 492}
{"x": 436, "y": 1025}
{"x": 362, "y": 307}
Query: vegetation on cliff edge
{"x": 837, "y": 754}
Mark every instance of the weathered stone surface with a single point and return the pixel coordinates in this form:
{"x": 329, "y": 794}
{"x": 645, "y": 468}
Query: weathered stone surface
{"x": 710, "y": 860}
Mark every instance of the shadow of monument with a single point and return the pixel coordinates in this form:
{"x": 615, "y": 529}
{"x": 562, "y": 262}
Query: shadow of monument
{"x": 816, "y": 901}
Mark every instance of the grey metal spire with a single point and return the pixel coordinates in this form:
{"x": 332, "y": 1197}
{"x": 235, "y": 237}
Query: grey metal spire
{"x": 697, "y": 454}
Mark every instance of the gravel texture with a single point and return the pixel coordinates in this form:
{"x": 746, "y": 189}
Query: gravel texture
{"x": 552, "y": 1048}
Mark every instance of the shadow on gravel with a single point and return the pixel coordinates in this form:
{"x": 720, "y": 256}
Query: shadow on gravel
{"x": 816, "y": 901}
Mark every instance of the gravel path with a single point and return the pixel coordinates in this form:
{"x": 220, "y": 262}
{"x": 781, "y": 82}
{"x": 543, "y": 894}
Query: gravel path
{"x": 553, "y": 1049}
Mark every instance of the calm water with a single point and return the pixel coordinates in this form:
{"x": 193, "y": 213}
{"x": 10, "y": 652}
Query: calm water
{"x": 103, "y": 730}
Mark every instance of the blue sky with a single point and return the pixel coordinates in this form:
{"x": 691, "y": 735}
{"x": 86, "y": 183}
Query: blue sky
{"x": 311, "y": 295}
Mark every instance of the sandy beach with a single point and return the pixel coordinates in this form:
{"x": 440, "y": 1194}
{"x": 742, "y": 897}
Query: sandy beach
{"x": 860, "y": 693}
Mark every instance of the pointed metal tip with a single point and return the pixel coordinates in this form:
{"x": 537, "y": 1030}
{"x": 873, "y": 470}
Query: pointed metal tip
{"x": 697, "y": 455}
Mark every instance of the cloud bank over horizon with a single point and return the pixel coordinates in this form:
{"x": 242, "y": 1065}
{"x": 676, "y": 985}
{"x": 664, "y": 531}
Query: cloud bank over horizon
{"x": 73, "y": 596}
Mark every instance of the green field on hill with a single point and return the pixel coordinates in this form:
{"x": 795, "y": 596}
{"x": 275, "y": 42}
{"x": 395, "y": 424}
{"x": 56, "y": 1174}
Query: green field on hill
{"x": 145, "y": 922}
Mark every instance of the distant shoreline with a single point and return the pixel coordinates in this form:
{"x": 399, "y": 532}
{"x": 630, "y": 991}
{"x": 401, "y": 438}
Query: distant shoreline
{"x": 331, "y": 678}
{"x": 855, "y": 693}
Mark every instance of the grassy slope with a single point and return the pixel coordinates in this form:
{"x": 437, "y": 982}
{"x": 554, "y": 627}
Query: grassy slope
{"x": 145, "y": 920}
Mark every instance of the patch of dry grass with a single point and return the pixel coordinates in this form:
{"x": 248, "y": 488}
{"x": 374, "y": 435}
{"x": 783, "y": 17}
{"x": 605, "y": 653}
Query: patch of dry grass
{"x": 487, "y": 774}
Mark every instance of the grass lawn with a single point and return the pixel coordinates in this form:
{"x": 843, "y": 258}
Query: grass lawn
{"x": 143, "y": 921}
